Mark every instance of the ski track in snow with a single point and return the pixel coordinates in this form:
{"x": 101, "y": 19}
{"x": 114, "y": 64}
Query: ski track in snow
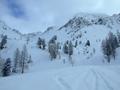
{"x": 82, "y": 80}
{"x": 111, "y": 78}
{"x": 88, "y": 83}
{"x": 63, "y": 83}
{"x": 104, "y": 81}
{"x": 78, "y": 79}
{"x": 97, "y": 78}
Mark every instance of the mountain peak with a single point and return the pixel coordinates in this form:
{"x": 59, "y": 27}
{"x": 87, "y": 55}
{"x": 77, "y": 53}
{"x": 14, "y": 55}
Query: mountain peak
{"x": 83, "y": 14}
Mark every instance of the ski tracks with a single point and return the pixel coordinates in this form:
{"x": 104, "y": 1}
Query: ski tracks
{"x": 100, "y": 79}
{"x": 63, "y": 84}
{"x": 77, "y": 84}
{"x": 88, "y": 79}
{"x": 92, "y": 81}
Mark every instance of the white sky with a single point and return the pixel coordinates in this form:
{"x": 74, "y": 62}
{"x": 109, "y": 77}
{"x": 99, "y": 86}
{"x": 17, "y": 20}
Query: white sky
{"x": 37, "y": 15}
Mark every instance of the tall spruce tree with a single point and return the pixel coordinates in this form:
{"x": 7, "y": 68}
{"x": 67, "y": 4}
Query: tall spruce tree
{"x": 2, "y": 61}
{"x": 24, "y": 59}
{"x": 17, "y": 57}
{"x": 70, "y": 50}
{"x": 39, "y": 43}
{"x": 52, "y": 47}
{"x": 109, "y": 46}
{"x": 3, "y": 42}
{"x": 43, "y": 44}
{"x": 53, "y": 50}
{"x": 118, "y": 36}
{"x": 7, "y": 67}
{"x": 30, "y": 59}
{"x": 65, "y": 47}
{"x": 106, "y": 49}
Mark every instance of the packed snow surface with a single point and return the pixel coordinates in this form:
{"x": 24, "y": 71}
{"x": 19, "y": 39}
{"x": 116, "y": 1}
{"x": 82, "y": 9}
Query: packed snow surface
{"x": 70, "y": 78}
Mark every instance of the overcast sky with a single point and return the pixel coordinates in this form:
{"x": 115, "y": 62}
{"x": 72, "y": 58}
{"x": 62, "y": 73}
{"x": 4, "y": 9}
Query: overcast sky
{"x": 36, "y": 15}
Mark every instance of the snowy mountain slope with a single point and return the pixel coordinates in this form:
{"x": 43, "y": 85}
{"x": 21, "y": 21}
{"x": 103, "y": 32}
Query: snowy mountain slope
{"x": 82, "y": 27}
{"x": 72, "y": 78}
{"x": 14, "y": 40}
{"x": 44, "y": 74}
{"x": 11, "y": 33}
{"x": 77, "y": 23}
{"x": 83, "y": 20}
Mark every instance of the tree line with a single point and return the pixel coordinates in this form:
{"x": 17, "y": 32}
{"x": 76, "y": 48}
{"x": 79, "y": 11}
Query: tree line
{"x": 19, "y": 64}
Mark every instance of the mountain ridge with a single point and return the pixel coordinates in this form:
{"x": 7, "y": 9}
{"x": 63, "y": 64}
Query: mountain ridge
{"x": 78, "y": 29}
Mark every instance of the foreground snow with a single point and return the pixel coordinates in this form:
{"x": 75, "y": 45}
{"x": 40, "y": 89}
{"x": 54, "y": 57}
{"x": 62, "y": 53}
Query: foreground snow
{"x": 71, "y": 78}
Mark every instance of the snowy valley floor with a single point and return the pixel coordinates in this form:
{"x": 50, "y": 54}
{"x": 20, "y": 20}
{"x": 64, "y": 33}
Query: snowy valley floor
{"x": 71, "y": 78}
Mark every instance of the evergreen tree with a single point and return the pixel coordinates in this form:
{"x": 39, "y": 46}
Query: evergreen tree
{"x": 70, "y": 49}
{"x": 53, "y": 40}
{"x": 24, "y": 59}
{"x": 16, "y": 61}
{"x": 2, "y": 61}
{"x": 118, "y": 36}
{"x": 3, "y": 42}
{"x": 43, "y": 44}
{"x": 39, "y": 43}
{"x": 28, "y": 39}
{"x": 76, "y": 43}
{"x": 106, "y": 49}
{"x": 109, "y": 46}
{"x": 87, "y": 43}
{"x": 70, "y": 52}
{"x": 65, "y": 47}
{"x": 7, "y": 68}
{"x": 52, "y": 48}
{"x": 113, "y": 43}
{"x": 30, "y": 59}
{"x": 58, "y": 49}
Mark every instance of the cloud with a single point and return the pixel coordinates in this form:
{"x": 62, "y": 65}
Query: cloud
{"x": 37, "y": 15}
{"x": 15, "y": 9}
